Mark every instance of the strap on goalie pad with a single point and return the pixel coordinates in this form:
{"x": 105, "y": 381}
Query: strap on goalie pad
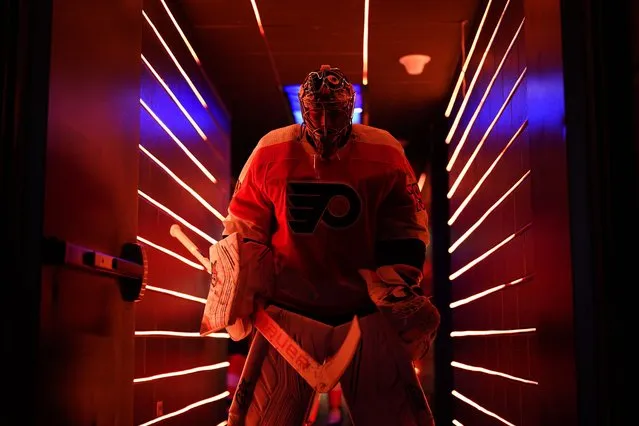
{"x": 396, "y": 292}
{"x": 240, "y": 272}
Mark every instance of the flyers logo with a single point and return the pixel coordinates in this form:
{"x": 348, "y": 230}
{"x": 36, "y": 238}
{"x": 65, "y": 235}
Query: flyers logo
{"x": 308, "y": 204}
{"x": 416, "y": 195}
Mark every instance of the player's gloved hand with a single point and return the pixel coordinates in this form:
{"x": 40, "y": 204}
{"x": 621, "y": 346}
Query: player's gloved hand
{"x": 396, "y": 292}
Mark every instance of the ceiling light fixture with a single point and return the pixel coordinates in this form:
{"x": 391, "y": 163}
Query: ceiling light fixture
{"x": 414, "y": 64}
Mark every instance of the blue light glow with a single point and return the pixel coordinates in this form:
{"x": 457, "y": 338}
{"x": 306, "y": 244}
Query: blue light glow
{"x": 291, "y": 93}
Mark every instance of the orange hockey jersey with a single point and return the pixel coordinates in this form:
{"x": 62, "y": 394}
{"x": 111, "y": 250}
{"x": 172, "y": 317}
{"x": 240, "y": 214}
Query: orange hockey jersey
{"x": 322, "y": 218}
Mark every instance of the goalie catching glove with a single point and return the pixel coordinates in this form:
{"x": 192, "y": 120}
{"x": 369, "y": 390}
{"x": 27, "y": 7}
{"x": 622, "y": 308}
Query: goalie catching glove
{"x": 396, "y": 292}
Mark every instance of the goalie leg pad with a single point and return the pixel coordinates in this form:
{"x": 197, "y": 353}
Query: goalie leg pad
{"x": 271, "y": 392}
{"x": 395, "y": 290}
{"x": 240, "y": 272}
{"x": 380, "y": 385}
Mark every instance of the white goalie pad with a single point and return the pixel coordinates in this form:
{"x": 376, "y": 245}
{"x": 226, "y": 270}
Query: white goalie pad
{"x": 240, "y": 272}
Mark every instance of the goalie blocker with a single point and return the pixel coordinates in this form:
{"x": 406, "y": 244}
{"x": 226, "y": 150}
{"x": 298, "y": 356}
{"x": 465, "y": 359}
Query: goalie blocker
{"x": 241, "y": 273}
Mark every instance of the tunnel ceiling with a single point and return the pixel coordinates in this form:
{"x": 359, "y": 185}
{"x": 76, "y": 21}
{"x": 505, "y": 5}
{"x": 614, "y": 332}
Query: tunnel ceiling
{"x": 248, "y": 69}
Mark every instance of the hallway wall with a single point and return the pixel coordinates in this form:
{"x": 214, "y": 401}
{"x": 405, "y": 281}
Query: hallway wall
{"x": 184, "y": 165}
{"x": 510, "y": 263}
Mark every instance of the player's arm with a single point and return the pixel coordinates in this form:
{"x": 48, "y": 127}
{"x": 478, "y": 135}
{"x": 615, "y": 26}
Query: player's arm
{"x": 402, "y": 235}
{"x": 250, "y": 212}
{"x": 402, "y": 240}
{"x": 250, "y": 215}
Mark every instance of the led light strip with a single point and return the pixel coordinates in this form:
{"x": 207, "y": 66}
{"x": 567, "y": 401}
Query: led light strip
{"x": 490, "y": 291}
{"x": 187, "y": 408}
{"x": 487, "y": 91}
{"x": 474, "y": 262}
{"x": 168, "y": 333}
{"x": 175, "y": 61}
{"x": 168, "y": 90}
{"x": 462, "y": 74}
{"x": 468, "y": 333}
{"x": 179, "y": 143}
{"x": 460, "y": 112}
{"x": 177, "y": 217}
{"x": 182, "y": 372}
{"x": 480, "y": 408}
{"x": 190, "y": 190}
{"x": 487, "y": 173}
{"x": 179, "y": 30}
{"x": 491, "y": 372}
{"x": 365, "y": 44}
{"x": 490, "y": 128}
{"x": 492, "y": 208}
{"x": 171, "y": 253}
{"x": 421, "y": 181}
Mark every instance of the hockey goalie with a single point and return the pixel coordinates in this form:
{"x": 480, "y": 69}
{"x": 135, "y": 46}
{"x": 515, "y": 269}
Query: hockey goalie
{"x": 326, "y": 233}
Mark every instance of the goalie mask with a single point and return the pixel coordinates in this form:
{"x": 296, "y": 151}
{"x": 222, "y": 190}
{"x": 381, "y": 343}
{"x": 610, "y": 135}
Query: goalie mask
{"x": 327, "y": 100}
